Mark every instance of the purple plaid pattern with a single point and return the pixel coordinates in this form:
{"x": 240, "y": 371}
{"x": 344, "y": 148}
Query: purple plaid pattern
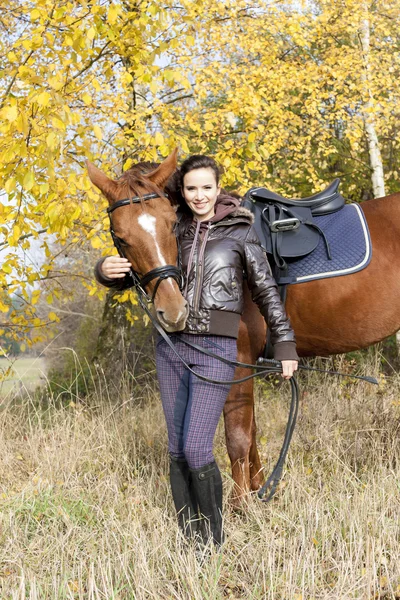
{"x": 192, "y": 407}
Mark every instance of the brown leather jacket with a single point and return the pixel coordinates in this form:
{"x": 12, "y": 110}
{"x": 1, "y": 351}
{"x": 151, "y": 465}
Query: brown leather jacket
{"x": 225, "y": 253}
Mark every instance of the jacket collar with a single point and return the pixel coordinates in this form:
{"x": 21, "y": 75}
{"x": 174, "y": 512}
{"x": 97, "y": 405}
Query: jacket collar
{"x": 239, "y": 215}
{"x": 242, "y": 212}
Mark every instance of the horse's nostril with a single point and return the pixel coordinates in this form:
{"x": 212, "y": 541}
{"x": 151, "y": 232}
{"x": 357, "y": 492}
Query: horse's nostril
{"x": 172, "y": 320}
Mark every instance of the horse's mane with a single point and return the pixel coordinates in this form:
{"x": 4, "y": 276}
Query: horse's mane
{"x": 134, "y": 178}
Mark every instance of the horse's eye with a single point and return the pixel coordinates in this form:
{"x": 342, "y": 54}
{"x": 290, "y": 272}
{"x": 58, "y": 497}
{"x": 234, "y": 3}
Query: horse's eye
{"x": 122, "y": 242}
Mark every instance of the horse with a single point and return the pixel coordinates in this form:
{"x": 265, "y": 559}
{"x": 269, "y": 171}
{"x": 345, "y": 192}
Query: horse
{"x": 329, "y": 316}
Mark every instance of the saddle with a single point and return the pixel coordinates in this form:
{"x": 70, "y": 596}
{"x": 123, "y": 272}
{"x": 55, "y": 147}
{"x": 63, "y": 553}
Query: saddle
{"x": 286, "y": 228}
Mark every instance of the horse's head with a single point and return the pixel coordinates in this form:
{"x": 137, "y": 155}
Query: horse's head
{"x": 145, "y": 230}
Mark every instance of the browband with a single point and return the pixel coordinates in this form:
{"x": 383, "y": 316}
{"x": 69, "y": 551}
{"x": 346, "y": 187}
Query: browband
{"x": 127, "y": 201}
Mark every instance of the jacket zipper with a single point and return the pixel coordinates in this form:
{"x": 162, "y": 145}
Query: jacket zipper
{"x": 200, "y": 271}
{"x": 191, "y": 254}
{"x": 200, "y": 260}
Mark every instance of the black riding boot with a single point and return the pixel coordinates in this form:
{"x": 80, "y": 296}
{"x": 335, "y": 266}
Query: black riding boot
{"x": 207, "y": 485}
{"x": 183, "y": 495}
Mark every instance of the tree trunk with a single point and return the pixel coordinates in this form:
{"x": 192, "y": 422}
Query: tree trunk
{"x": 124, "y": 351}
{"x": 375, "y": 158}
{"x": 114, "y": 348}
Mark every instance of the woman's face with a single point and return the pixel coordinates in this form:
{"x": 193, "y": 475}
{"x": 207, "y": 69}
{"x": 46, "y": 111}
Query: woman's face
{"x": 200, "y": 191}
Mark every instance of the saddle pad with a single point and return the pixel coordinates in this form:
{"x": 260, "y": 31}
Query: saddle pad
{"x": 350, "y": 244}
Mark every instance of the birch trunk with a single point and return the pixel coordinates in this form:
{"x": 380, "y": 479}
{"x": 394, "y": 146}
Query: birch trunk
{"x": 375, "y": 158}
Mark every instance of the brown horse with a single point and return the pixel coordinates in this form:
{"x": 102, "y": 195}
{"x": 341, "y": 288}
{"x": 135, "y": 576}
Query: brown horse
{"x": 329, "y": 316}
{"x": 146, "y": 231}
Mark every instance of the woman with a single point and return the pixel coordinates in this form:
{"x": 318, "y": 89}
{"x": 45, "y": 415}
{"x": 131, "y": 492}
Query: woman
{"x": 218, "y": 248}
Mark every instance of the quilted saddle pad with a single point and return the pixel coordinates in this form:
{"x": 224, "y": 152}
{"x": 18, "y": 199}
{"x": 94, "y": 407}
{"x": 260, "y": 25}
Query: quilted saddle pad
{"x": 350, "y": 244}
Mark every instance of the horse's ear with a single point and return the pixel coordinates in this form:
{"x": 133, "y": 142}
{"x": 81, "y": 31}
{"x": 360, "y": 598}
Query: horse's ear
{"x": 164, "y": 171}
{"x": 100, "y": 180}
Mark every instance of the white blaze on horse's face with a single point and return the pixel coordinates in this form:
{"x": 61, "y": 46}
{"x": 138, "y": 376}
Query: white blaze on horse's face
{"x": 148, "y": 223}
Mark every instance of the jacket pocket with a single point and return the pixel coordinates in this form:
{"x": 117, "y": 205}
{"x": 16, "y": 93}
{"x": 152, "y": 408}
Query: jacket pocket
{"x": 224, "y": 286}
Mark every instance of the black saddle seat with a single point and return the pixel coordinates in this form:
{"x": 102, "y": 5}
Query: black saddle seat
{"x": 323, "y": 203}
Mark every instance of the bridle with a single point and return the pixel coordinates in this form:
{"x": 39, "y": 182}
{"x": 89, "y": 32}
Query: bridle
{"x": 139, "y": 281}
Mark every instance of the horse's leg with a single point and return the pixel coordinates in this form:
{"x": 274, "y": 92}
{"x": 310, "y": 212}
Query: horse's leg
{"x": 240, "y": 426}
{"x": 256, "y": 473}
{"x": 238, "y": 415}
{"x": 241, "y": 441}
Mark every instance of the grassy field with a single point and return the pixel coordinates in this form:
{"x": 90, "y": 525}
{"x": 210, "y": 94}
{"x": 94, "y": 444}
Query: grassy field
{"x": 86, "y": 512}
{"x": 25, "y": 374}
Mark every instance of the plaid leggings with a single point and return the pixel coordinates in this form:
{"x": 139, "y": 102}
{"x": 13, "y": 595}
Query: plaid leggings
{"x": 192, "y": 407}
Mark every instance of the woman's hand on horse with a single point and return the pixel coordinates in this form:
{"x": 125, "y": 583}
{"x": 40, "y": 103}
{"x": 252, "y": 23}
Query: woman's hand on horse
{"x": 115, "y": 267}
{"x": 288, "y": 368}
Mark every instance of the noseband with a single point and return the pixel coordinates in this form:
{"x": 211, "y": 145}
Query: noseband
{"x": 159, "y": 273}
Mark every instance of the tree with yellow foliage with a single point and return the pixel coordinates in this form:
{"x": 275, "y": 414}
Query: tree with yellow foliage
{"x": 287, "y": 95}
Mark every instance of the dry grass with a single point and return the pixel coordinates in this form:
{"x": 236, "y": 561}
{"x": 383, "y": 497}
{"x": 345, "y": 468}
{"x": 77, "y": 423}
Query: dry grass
{"x": 21, "y": 374}
{"x": 85, "y": 509}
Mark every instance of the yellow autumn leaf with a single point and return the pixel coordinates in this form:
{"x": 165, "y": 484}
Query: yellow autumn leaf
{"x": 43, "y": 99}
{"x": 96, "y": 242}
{"x": 91, "y": 33}
{"x": 35, "y": 14}
{"x": 56, "y": 81}
{"x": 87, "y": 99}
{"x": 9, "y": 185}
{"x": 10, "y": 113}
{"x": 97, "y": 132}
{"x": 112, "y": 14}
{"x": 51, "y": 140}
{"x": 37, "y": 42}
{"x": 12, "y": 57}
{"x": 22, "y": 124}
{"x": 58, "y": 123}
{"x": 3, "y": 307}
{"x": 29, "y": 180}
{"x": 52, "y": 316}
{"x": 35, "y": 296}
{"x": 158, "y": 139}
{"x": 184, "y": 145}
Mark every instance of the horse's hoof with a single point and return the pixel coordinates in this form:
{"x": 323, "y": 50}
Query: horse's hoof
{"x": 256, "y": 483}
{"x": 239, "y": 503}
